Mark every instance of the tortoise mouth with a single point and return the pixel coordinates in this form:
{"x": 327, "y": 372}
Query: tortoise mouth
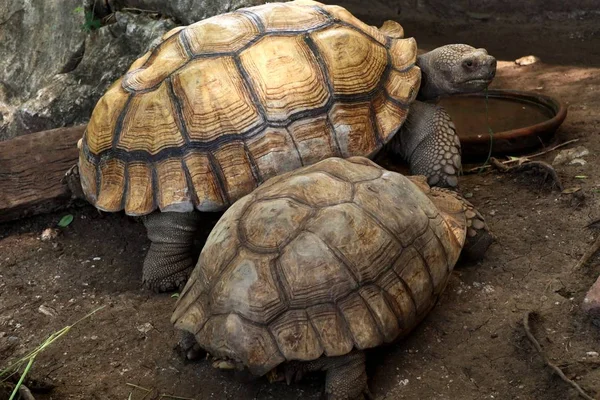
{"x": 477, "y": 82}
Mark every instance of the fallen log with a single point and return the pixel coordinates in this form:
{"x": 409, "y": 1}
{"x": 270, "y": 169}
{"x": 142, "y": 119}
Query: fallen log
{"x": 31, "y": 169}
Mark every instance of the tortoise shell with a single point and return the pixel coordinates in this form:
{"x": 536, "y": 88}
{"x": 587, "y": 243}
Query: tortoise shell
{"x": 330, "y": 257}
{"x": 226, "y": 103}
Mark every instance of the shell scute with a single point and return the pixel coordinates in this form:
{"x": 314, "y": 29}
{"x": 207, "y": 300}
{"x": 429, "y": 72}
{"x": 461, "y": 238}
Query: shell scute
{"x": 225, "y": 33}
{"x": 353, "y": 125}
{"x": 311, "y": 280}
{"x": 362, "y": 242}
{"x": 214, "y": 99}
{"x": 271, "y": 62}
{"x": 140, "y": 200}
{"x": 247, "y": 287}
{"x": 233, "y": 337}
{"x": 150, "y": 123}
{"x": 382, "y": 313}
{"x": 313, "y": 139}
{"x": 354, "y": 64}
{"x": 269, "y": 223}
{"x": 295, "y": 336}
{"x": 360, "y": 321}
{"x": 289, "y": 17}
{"x": 274, "y": 153}
{"x": 331, "y": 328}
{"x": 164, "y": 59}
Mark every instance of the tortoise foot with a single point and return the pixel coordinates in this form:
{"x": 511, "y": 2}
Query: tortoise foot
{"x": 189, "y": 348}
{"x": 170, "y": 259}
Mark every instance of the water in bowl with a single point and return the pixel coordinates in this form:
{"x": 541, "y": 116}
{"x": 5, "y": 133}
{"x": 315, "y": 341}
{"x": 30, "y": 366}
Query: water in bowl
{"x": 469, "y": 114}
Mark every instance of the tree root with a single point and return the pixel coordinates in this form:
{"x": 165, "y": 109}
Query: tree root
{"x": 552, "y": 366}
{"x": 535, "y": 167}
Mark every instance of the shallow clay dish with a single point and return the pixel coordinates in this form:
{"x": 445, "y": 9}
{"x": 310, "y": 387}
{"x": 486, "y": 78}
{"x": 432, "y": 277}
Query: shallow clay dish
{"x": 520, "y": 121}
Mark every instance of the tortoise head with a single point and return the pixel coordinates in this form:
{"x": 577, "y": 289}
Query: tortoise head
{"x": 453, "y": 69}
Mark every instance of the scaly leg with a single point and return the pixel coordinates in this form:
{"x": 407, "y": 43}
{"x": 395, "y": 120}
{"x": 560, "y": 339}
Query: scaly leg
{"x": 346, "y": 376}
{"x": 429, "y": 143}
{"x": 169, "y": 260}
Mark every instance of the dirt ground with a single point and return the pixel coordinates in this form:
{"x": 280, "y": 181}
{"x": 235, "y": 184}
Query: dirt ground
{"x": 471, "y": 346}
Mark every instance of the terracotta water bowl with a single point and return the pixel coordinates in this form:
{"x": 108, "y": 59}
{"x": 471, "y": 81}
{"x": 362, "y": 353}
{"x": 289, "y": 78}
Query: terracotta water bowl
{"x": 520, "y": 121}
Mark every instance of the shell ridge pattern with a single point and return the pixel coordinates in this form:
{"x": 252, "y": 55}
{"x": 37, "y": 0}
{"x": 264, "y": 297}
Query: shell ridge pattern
{"x": 340, "y": 257}
{"x": 218, "y": 173}
{"x": 317, "y": 54}
{"x": 125, "y": 186}
{"x": 375, "y": 126}
{"x": 189, "y": 182}
{"x": 407, "y": 289}
{"x": 253, "y": 166}
{"x": 250, "y": 88}
{"x": 424, "y": 261}
{"x": 338, "y": 148}
{"x": 265, "y": 250}
{"x": 186, "y": 45}
{"x": 178, "y": 113}
{"x": 378, "y": 326}
{"x": 119, "y": 125}
{"x": 255, "y": 18}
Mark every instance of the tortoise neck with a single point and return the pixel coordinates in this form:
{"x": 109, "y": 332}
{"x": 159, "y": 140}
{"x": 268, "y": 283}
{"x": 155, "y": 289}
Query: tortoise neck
{"x": 428, "y": 90}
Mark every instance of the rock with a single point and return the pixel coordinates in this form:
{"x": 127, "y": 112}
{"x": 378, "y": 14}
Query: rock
{"x": 185, "y": 11}
{"x": 527, "y": 60}
{"x": 569, "y": 155}
{"x": 46, "y": 310}
{"x": 69, "y": 98}
{"x": 39, "y": 40}
{"x": 49, "y": 234}
{"x": 145, "y": 327}
{"x": 578, "y": 161}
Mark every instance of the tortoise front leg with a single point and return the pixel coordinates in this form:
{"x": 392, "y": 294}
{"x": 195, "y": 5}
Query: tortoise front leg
{"x": 170, "y": 258}
{"x": 429, "y": 143}
{"x": 346, "y": 375}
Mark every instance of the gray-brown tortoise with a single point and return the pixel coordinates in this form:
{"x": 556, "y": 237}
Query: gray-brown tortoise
{"x": 320, "y": 264}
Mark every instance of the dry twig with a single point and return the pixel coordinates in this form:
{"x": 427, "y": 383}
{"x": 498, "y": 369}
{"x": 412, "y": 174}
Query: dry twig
{"x": 540, "y": 168}
{"x": 552, "y": 366}
{"x": 588, "y": 254}
{"x": 524, "y": 158}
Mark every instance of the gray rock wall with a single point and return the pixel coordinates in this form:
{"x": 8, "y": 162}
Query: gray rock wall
{"x": 52, "y": 72}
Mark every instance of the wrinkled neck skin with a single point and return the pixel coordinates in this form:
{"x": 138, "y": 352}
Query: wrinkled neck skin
{"x": 428, "y": 89}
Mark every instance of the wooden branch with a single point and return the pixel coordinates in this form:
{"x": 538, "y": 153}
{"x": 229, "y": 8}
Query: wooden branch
{"x": 31, "y": 169}
{"x": 555, "y": 369}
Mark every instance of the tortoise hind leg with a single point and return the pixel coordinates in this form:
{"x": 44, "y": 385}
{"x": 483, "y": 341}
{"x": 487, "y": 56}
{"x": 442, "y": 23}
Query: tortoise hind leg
{"x": 429, "y": 143}
{"x": 346, "y": 375}
{"x": 170, "y": 258}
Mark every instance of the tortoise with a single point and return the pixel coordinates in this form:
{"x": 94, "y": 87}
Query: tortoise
{"x": 321, "y": 263}
{"x": 221, "y": 105}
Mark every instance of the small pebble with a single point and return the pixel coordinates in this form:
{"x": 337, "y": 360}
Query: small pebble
{"x": 49, "y": 234}
{"x": 49, "y": 311}
{"x": 145, "y": 328}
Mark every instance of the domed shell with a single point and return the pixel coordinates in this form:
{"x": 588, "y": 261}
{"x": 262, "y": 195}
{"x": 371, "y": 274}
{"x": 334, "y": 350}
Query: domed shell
{"x": 224, "y": 104}
{"x": 334, "y": 256}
